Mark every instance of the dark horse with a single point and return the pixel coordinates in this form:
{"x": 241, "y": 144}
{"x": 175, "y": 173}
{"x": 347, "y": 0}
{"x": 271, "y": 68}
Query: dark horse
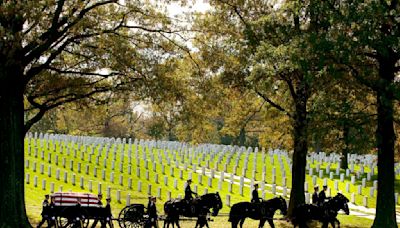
{"x": 326, "y": 213}
{"x": 180, "y": 207}
{"x": 263, "y": 211}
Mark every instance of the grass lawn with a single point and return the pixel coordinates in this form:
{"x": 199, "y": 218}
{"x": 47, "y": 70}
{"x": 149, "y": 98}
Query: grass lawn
{"x": 80, "y": 155}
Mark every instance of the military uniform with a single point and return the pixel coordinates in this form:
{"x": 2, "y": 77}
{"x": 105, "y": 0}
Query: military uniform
{"x": 152, "y": 213}
{"x": 255, "y": 198}
{"x": 321, "y": 197}
{"x": 45, "y": 213}
{"x": 51, "y": 214}
{"x": 315, "y": 198}
{"x": 108, "y": 216}
{"x": 188, "y": 193}
{"x": 99, "y": 204}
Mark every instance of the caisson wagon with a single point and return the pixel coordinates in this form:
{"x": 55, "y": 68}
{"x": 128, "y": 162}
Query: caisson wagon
{"x": 79, "y": 209}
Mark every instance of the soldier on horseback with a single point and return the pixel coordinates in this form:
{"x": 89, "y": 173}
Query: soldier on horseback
{"x": 189, "y": 192}
{"x": 322, "y": 196}
{"x": 254, "y": 194}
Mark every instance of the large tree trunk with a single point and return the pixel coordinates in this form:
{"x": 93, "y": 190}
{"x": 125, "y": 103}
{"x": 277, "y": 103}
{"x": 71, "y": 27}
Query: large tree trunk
{"x": 12, "y": 132}
{"x": 300, "y": 153}
{"x": 385, "y": 202}
{"x": 346, "y": 138}
{"x": 12, "y": 212}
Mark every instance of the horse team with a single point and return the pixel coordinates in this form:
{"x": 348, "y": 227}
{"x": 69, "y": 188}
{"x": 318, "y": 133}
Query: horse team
{"x": 257, "y": 209}
{"x": 263, "y": 211}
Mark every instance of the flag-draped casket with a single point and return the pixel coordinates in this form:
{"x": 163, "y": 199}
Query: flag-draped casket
{"x": 71, "y": 199}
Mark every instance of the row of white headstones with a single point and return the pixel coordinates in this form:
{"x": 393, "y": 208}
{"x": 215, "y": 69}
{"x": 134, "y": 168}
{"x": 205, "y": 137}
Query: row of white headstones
{"x": 172, "y": 151}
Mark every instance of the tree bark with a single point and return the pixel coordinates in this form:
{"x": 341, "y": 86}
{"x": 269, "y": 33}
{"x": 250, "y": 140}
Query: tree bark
{"x": 385, "y": 202}
{"x": 12, "y": 194}
{"x": 12, "y": 84}
{"x": 343, "y": 162}
{"x": 300, "y": 152}
{"x": 242, "y": 137}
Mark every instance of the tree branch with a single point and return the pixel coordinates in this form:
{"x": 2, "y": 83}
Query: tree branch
{"x": 252, "y": 115}
{"x": 34, "y": 51}
{"x": 43, "y": 108}
{"x": 273, "y": 104}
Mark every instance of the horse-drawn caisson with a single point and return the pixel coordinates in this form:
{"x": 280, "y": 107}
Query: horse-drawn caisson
{"x": 68, "y": 209}
{"x": 78, "y": 210}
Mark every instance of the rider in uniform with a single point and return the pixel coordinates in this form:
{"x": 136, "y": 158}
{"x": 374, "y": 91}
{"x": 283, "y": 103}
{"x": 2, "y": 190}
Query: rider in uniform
{"x": 315, "y": 198}
{"x": 189, "y": 192}
{"x": 45, "y": 211}
{"x": 322, "y": 196}
{"x": 254, "y": 195}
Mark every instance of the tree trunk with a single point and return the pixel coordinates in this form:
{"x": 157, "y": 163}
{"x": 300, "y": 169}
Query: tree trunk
{"x": 346, "y": 137}
{"x": 12, "y": 197}
{"x": 385, "y": 202}
{"x": 242, "y": 137}
{"x": 299, "y": 154}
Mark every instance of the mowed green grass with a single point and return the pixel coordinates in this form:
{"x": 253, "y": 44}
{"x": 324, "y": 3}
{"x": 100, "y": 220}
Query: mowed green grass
{"x": 34, "y": 195}
{"x": 222, "y": 222}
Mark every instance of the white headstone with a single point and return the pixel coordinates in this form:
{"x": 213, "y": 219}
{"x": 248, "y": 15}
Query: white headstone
{"x": 166, "y": 180}
{"x": 99, "y": 188}
{"x": 365, "y": 201}
{"x": 307, "y": 198}
{"x": 129, "y": 183}
{"x": 44, "y": 184}
{"x": 371, "y": 192}
{"x": 364, "y": 182}
{"x": 353, "y": 180}
{"x": 128, "y": 199}
{"x": 139, "y": 186}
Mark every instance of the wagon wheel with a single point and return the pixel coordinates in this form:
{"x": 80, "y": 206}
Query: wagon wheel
{"x": 128, "y": 218}
{"x": 85, "y": 219}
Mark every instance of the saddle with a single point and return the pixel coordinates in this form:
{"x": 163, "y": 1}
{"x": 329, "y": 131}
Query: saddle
{"x": 189, "y": 207}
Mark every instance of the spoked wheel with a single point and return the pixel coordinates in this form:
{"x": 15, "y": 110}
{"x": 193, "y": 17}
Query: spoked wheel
{"x": 129, "y": 218}
{"x": 68, "y": 219}
{"x": 62, "y": 221}
{"x": 85, "y": 219}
